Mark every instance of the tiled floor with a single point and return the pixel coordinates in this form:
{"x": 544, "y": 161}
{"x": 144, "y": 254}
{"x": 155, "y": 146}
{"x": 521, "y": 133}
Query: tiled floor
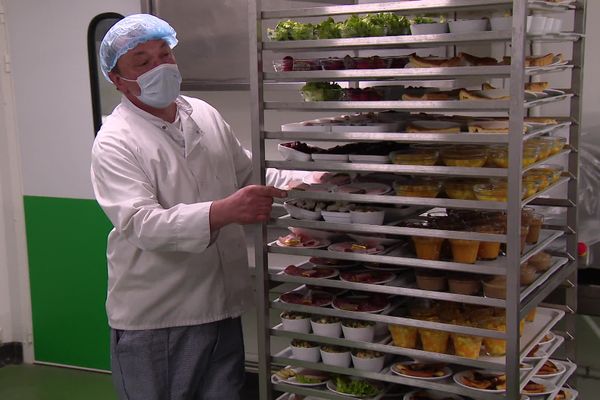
{"x": 35, "y": 382}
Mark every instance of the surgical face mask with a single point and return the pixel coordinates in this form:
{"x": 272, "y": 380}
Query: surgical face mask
{"x": 159, "y": 86}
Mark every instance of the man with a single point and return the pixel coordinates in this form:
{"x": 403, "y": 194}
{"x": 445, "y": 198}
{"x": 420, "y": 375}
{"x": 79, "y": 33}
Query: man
{"x": 172, "y": 178}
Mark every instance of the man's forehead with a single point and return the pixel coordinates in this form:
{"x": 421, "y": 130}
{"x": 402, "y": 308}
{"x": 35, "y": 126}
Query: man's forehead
{"x": 146, "y": 47}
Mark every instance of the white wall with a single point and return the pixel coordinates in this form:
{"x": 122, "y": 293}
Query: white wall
{"x": 48, "y": 41}
{"x": 45, "y": 113}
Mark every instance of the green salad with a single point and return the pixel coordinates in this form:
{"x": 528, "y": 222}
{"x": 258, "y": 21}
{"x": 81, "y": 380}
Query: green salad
{"x": 356, "y": 387}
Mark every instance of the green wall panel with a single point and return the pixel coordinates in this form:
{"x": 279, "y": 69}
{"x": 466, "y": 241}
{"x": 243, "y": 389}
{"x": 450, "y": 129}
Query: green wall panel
{"x": 66, "y": 240}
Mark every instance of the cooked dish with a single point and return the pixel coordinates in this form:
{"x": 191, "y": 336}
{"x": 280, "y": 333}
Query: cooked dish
{"x": 420, "y": 370}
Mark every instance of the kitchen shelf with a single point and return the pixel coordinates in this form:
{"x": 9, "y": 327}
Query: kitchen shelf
{"x": 412, "y": 105}
{"x": 402, "y": 289}
{"x": 406, "y": 137}
{"x": 420, "y": 7}
{"x": 405, "y": 74}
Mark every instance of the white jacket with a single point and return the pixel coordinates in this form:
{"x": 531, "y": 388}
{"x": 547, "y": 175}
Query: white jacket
{"x": 156, "y": 185}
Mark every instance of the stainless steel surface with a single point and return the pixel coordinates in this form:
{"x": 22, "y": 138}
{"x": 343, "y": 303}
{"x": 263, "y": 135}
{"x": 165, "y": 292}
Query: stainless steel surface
{"x": 518, "y": 301}
{"x": 515, "y": 146}
{"x": 258, "y": 177}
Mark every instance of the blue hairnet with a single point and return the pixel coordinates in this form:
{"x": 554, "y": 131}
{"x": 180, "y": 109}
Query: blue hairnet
{"x": 130, "y": 32}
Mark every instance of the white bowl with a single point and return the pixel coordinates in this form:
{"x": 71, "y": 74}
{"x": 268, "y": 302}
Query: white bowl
{"x": 290, "y": 154}
{"x": 367, "y": 217}
{"x": 363, "y": 334}
{"x": 330, "y": 157}
{"x": 311, "y": 354}
{"x": 336, "y": 216}
{"x": 332, "y": 329}
{"x": 501, "y": 23}
{"x": 301, "y": 213}
{"x": 429, "y": 29}
{"x": 301, "y": 325}
{"x": 337, "y": 359}
{"x": 536, "y": 24}
{"x": 468, "y": 25}
{"x": 374, "y": 364}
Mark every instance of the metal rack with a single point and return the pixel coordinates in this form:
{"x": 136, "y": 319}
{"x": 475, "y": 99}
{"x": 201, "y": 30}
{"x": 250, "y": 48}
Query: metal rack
{"x": 562, "y": 273}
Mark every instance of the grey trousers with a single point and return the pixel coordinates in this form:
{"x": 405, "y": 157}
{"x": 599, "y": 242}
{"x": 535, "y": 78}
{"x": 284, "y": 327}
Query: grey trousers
{"x": 201, "y": 362}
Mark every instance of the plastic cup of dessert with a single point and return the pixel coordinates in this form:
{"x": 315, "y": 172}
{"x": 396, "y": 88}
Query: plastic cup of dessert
{"x": 326, "y": 326}
{"x": 336, "y": 356}
{"x": 295, "y": 322}
{"x": 431, "y": 280}
{"x": 468, "y": 25}
{"x": 535, "y": 226}
{"x": 428, "y": 248}
{"x": 464, "y": 284}
{"x": 360, "y": 331}
{"x": 528, "y": 274}
{"x": 301, "y": 352}
{"x": 464, "y": 251}
{"x": 495, "y": 287}
{"x": 404, "y": 336}
{"x": 368, "y": 360}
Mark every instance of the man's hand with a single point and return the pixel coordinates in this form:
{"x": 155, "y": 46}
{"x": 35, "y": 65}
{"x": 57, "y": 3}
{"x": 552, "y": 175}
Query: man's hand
{"x": 249, "y": 205}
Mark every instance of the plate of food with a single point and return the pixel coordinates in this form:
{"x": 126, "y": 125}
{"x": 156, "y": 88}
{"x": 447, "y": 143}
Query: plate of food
{"x": 538, "y": 387}
{"x": 307, "y": 298}
{"x": 355, "y": 387}
{"x": 352, "y": 247}
{"x": 566, "y": 394}
{"x": 535, "y": 354}
{"x": 366, "y": 276}
{"x": 332, "y": 178}
{"x": 293, "y": 240}
{"x": 374, "y": 239}
{"x": 321, "y": 262}
{"x": 368, "y": 303}
{"x": 419, "y": 370}
{"x": 482, "y": 380}
{"x": 385, "y": 267}
{"x": 551, "y": 369}
{"x": 300, "y": 377}
{"x": 373, "y": 188}
{"x": 308, "y": 272}
{"x": 548, "y": 338}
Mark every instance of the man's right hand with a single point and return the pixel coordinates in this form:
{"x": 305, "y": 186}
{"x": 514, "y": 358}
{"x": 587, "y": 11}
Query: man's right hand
{"x": 249, "y": 205}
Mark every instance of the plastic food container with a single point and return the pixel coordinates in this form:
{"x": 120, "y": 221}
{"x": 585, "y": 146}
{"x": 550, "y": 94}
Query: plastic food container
{"x": 489, "y": 250}
{"x": 531, "y": 185}
{"x": 542, "y": 178}
{"x": 433, "y": 340}
{"x": 461, "y": 188}
{"x": 491, "y": 191}
{"x": 468, "y": 25}
{"x": 553, "y": 172}
{"x": 428, "y": 248}
{"x": 429, "y": 29}
{"x": 295, "y": 322}
{"x": 361, "y": 331}
{"x": 464, "y": 251}
{"x": 414, "y": 157}
{"x": 498, "y": 156}
{"x": 464, "y": 158}
{"x": 464, "y": 284}
{"x": 404, "y": 336}
{"x": 368, "y": 360}
{"x": 326, "y": 326}
{"x": 335, "y": 355}
{"x": 558, "y": 143}
{"x": 431, "y": 280}
{"x": 495, "y": 287}
{"x": 541, "y": 261}
{"x": 418, "y": 188}
{"x": 528, "y": 274}
{"x": 468, "y": 346}
{"x": 544, "y": 146}
{"x": 305, "y": 351}
{"x": 535, "y": 226}
{"x": 495, "y": 347}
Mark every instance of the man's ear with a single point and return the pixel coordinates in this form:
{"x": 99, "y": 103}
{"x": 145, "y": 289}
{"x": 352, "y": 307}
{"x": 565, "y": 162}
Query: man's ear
{"x": 116, "y": 80}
